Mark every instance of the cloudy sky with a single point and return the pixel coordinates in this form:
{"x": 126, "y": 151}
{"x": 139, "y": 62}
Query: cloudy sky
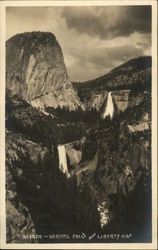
{"x": 94, "y": 40}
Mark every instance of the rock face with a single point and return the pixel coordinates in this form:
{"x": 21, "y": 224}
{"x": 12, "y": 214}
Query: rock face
{"x": 35, "y": 70}
{"x": 19, "y": 220}
{"x": 124, "y": 172}
{"x": 74, "y": 155}
{"x": 121, "y": 99}
{"x": 119, "y": 164}
{"x": 19, "y": 223}
{"x": 96, "y": 100}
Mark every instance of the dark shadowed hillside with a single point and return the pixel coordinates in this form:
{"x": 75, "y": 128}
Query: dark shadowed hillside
{"x": 121, "y": 76}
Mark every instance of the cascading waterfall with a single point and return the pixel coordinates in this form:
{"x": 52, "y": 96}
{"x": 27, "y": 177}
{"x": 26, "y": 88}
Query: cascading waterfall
{"x": 109, "y": 110}
{"x": 63, "y": 160}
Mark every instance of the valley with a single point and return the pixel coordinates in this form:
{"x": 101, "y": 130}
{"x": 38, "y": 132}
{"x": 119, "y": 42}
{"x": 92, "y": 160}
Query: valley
{"x": 78, "y": 155}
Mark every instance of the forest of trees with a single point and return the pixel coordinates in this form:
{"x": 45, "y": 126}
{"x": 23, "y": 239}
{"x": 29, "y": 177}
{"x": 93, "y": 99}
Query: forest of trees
{"x": 79, "y": 115}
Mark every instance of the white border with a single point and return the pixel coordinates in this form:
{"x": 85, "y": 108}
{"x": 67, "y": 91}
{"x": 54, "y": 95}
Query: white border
{"x": 2, "y": 123}
{"x": 78, "y": 3}
{"x": 152, "y": 245}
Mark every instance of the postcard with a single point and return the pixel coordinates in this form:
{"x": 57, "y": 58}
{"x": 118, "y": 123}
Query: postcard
{"x": 78, "y": 124}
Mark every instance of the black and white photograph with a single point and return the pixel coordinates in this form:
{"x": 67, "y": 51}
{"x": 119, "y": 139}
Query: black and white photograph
{"x": 78, "y": 160}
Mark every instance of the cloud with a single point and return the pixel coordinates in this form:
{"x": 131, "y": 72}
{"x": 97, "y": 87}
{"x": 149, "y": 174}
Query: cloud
{"x": 91, "y": 64}
{"x": 108, "y": 22}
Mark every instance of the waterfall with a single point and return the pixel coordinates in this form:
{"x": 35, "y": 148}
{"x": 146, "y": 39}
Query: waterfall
{"x": 109, "y": 110}
{"x": 63, "y": 160}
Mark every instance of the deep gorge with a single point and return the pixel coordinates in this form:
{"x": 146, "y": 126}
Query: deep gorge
{"x": 78, "y": 156}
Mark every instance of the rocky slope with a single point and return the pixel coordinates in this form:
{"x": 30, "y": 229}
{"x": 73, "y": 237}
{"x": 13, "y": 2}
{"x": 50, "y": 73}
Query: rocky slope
{"x": 35, "y": 70}
{"x": 119, "y": 179}
{"x": 124, "y": 173}
{"x": 19, "y": 220}
{"x": 52, "y": 203}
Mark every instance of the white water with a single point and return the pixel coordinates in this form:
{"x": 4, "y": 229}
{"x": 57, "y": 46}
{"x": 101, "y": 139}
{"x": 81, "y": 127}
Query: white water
{"x": 104, "y": 214}
{"x": 109, "y": 111}
{"x": 63, "y": 160}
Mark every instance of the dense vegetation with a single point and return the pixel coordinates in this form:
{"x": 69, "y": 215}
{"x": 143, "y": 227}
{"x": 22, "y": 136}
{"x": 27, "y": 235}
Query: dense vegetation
{"x": 79, "y": 115}
{"x": 21, "y": 117}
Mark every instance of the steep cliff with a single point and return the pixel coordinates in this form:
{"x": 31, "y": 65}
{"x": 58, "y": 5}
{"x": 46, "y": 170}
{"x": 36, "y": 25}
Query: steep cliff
{"x": 35, "y": 70}
{"x": 19, "y": 222}
{"x": 24, "y": 176}
{"x": 121, "y": 99}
